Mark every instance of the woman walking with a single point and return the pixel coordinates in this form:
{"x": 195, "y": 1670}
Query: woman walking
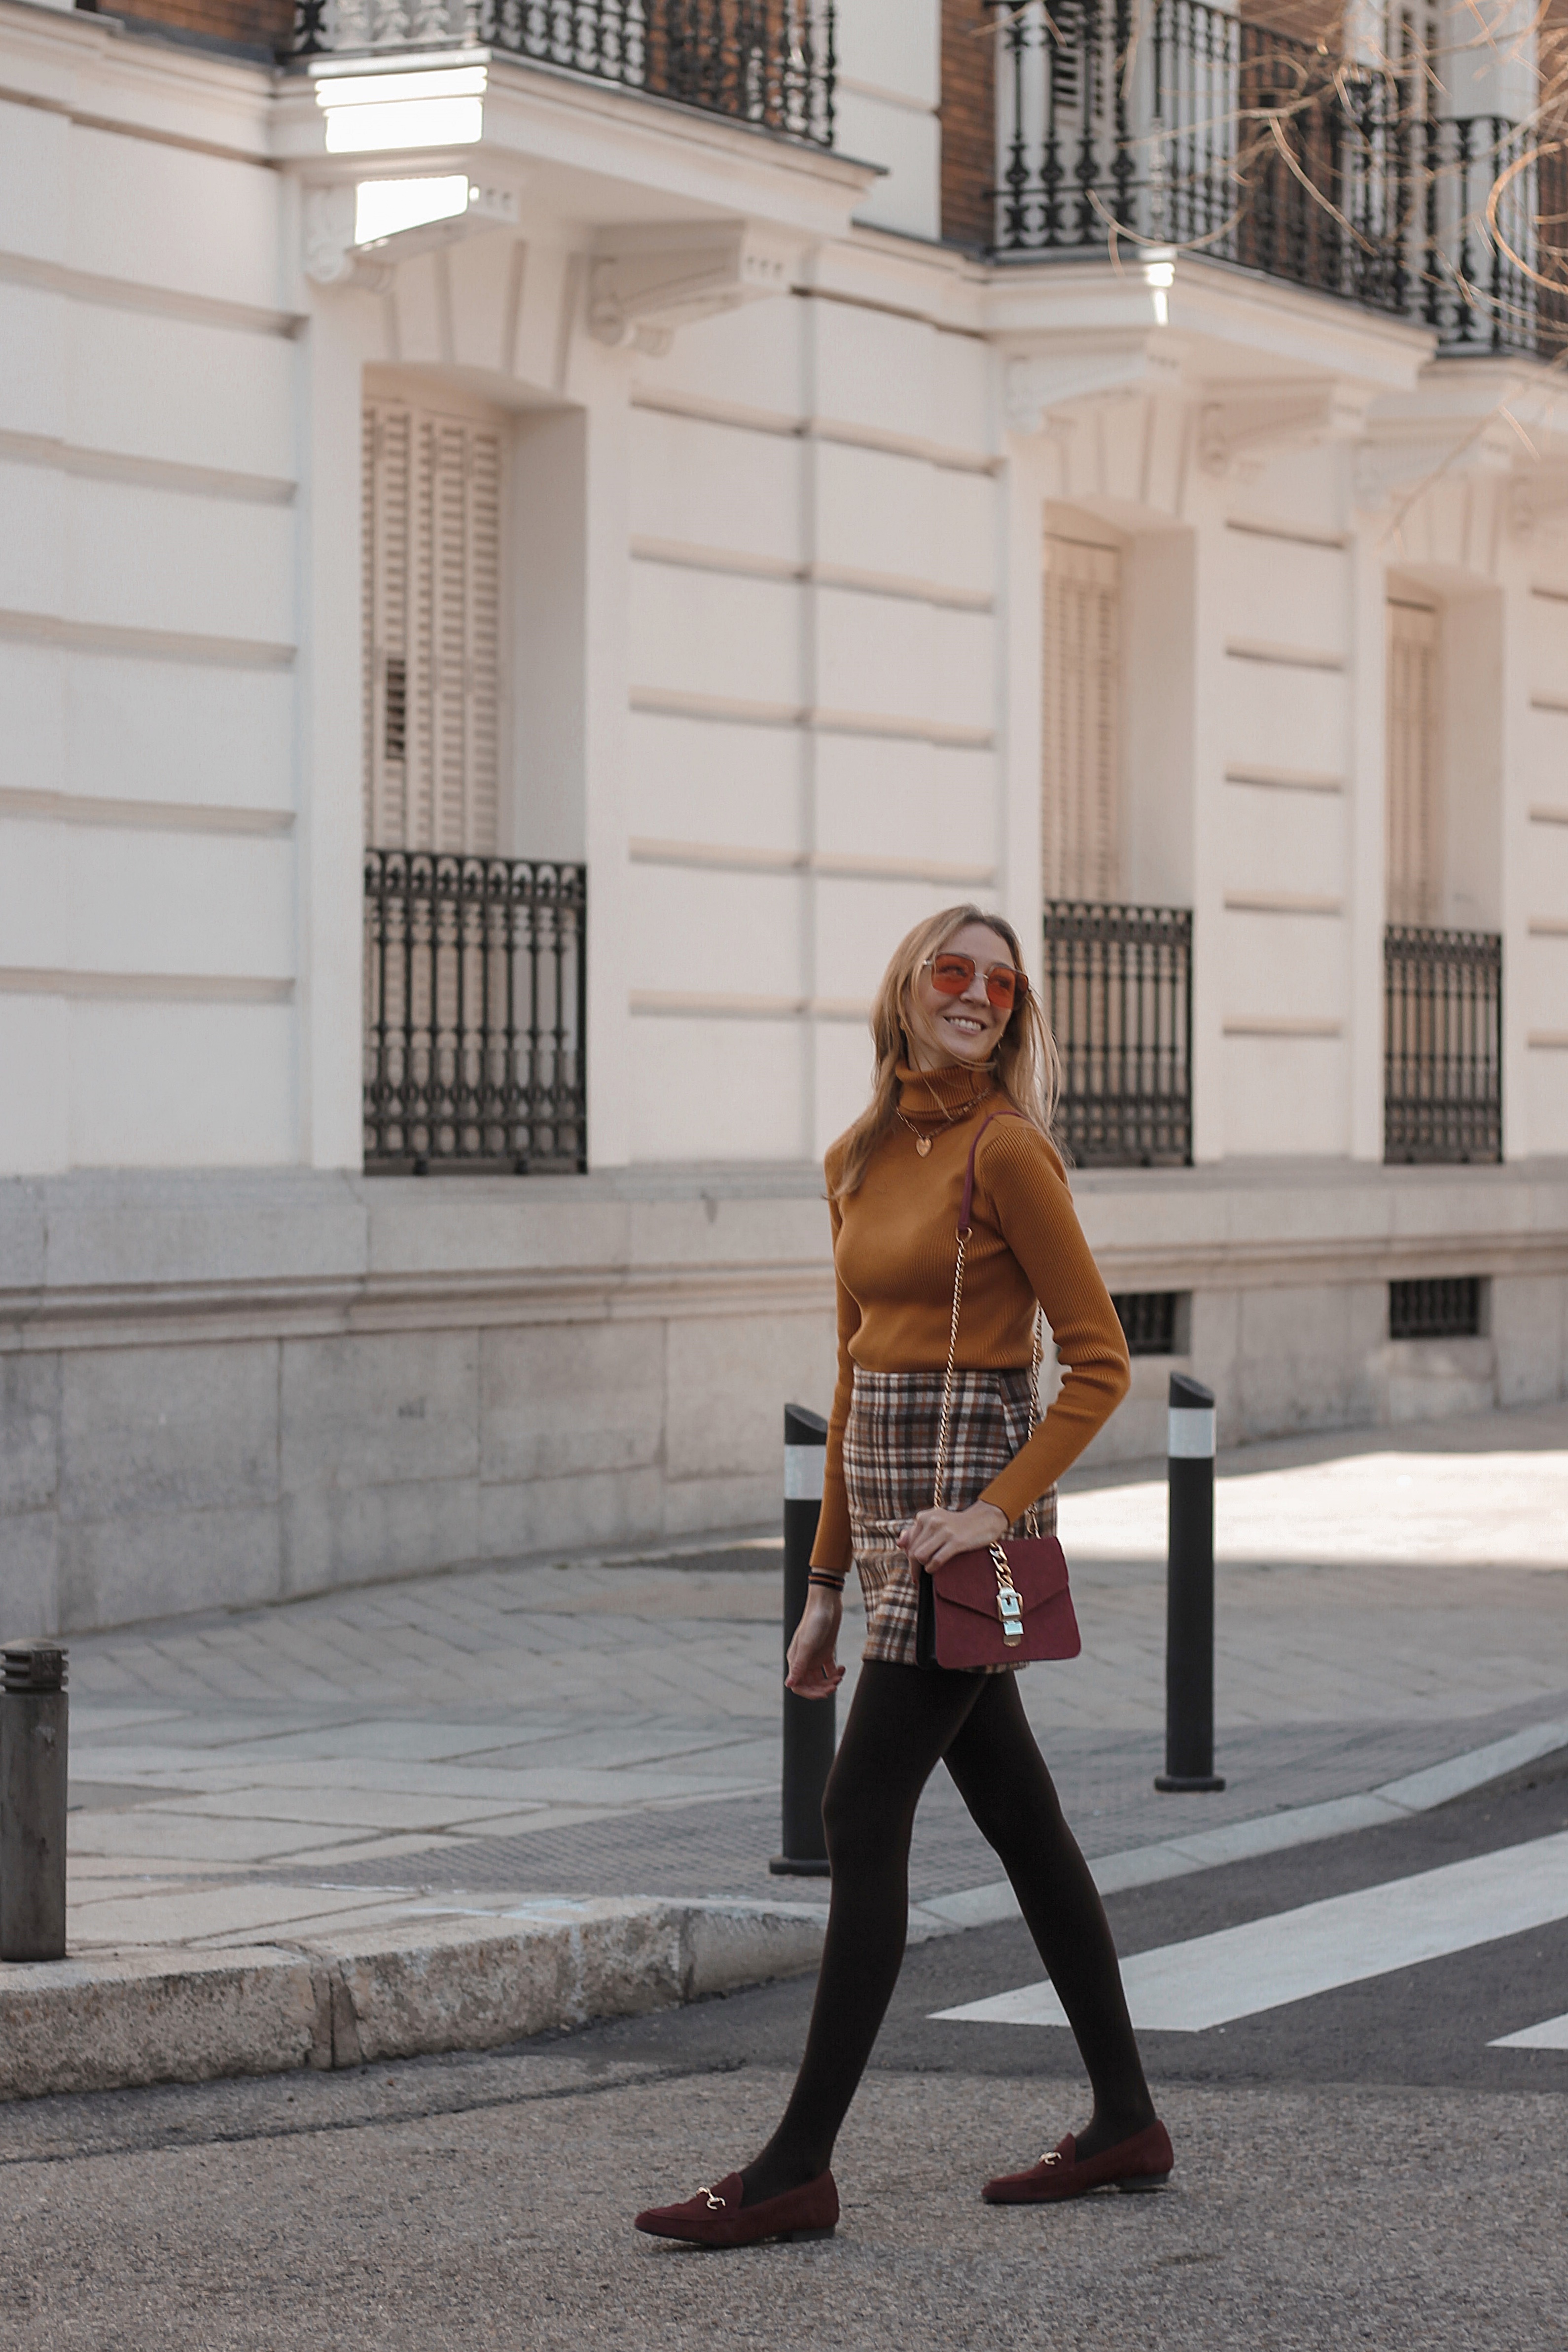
{"x": 964, "y": 1070}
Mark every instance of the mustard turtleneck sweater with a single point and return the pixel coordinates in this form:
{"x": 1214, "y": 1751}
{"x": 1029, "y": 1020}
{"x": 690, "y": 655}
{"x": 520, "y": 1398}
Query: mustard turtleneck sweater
{"x": 894, "y": 1247}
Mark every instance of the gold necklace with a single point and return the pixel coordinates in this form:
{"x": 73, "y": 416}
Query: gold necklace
{"x": 949, "y": 1118}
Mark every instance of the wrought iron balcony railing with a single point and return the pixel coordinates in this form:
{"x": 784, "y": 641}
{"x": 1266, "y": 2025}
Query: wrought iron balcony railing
{"x": 474, "y": 1016}
{"x": 1191, "y": 126}
{"x": 1442, "y": 1044}
{"x": 1118, "y": 986}
{"x": 766, "y": 62}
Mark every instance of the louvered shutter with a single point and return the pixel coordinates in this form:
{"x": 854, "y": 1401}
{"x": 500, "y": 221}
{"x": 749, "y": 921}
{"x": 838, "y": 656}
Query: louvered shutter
{"x": 432, "y": 628}
{"x": 1082, "y": 678}
{"x": 1414, "y": 806}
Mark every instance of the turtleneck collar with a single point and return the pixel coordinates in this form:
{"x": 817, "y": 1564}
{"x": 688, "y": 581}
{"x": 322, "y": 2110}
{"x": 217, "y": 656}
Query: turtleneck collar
{"x": 946, "y": 1093}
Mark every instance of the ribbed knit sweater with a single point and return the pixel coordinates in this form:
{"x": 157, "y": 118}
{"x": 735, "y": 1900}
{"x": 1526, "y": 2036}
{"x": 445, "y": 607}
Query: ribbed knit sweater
{"x": 894, "y": 1248}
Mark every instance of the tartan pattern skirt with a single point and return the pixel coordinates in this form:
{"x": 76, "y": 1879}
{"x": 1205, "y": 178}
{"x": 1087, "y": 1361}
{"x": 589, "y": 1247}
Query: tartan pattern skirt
{"x": 889, "y": 1462}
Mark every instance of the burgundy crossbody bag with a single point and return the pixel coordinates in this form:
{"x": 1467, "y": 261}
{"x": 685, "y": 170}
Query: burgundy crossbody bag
{"x": 1009, "y": 1602}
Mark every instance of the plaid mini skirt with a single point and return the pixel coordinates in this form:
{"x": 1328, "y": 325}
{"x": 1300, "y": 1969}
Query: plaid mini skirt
{"x": 889, "y": 1462}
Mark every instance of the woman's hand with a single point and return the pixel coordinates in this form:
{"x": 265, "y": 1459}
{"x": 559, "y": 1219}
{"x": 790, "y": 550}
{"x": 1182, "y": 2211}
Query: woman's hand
{"x": 933, "y": 1537}
{"x": 813, "y": 1670}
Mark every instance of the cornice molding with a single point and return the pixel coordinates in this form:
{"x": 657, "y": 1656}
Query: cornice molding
{"x": 1245, "y": 419}
{"x": 645, "y": 282}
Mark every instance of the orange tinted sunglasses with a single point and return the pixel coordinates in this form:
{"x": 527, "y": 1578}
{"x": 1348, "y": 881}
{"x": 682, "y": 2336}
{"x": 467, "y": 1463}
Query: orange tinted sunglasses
{"x": 951, "y": 974}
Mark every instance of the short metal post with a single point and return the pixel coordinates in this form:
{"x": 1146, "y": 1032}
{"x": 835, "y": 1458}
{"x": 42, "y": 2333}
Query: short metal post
{"x": 1189, "y": 1591}
{"x": 810, "y": 1729}
{"x": 33, "y": 1760}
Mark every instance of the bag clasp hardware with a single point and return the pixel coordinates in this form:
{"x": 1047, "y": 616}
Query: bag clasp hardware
{"x": 1009, "y": 1604}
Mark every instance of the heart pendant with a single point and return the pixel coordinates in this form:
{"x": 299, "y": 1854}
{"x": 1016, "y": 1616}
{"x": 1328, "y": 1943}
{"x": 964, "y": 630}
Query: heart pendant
{"x": 923, "y": 1145}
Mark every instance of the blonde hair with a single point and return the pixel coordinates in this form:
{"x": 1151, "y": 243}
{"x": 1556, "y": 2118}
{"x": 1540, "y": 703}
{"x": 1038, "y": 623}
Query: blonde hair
{"x": 1026, "y": 1066}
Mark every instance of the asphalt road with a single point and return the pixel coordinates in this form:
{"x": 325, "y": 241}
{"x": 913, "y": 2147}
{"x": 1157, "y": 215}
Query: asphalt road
{"x": 1358, "y": 2168}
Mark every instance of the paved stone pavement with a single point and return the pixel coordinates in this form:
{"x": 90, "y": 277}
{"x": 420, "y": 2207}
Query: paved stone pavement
{"x": 1385, "y": 1600}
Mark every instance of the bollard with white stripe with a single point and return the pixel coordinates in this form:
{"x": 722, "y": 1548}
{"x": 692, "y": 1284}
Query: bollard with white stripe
{"x": 810, "y": 1729}
{"x": 1189, "y": 1591}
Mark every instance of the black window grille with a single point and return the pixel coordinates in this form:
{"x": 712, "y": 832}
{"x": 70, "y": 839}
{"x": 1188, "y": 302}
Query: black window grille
{"x": 766, "y": 62}
{"x": 1442, "y": 1045}
{"x": 474, "y": 1015}
{"x": 1178, "y": 122}
{"x": 1148, "y": 1321}
{"x": 1435, "y": 1306}
{"x": 1118, "y": 986}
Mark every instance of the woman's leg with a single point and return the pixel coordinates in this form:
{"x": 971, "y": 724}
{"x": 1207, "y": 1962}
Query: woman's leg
{"x": 1002, "y": 1778}
{"x": 902, "y": 1720}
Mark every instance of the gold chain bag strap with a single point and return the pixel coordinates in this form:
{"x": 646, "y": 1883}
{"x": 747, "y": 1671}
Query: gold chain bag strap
{"x": 1009, "y": 1602}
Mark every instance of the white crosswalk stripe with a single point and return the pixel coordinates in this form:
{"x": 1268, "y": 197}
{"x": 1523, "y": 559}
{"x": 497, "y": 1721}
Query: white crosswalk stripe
{"x": 1551, "y": 2035}
{"x": 1292, "y": 1956}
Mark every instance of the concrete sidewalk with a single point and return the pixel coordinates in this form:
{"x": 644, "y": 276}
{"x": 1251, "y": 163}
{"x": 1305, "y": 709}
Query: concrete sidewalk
{"x": 294, "y": 1790}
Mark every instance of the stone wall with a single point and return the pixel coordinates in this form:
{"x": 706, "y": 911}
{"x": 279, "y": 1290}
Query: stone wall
{"x": 220, "y": 1391}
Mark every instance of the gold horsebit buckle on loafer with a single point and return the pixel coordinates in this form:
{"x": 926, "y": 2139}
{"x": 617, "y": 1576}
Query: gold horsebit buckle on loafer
{"x": 715, "y": 2204}
{"x": 1055, "y": 2157}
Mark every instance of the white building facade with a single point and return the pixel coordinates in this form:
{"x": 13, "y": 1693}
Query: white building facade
{"x": 517, "y": 588}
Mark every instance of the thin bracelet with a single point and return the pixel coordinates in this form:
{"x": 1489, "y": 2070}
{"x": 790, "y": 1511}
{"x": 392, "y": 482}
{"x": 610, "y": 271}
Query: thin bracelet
{"x": 820, "y": 1576}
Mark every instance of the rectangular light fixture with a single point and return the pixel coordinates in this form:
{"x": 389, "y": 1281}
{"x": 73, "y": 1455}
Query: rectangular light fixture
{"x": 390, "y": 207}
{"x": 368, "y": 113}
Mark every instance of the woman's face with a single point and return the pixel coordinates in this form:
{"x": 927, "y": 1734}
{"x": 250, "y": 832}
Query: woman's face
{"x": 966, "y": 1028}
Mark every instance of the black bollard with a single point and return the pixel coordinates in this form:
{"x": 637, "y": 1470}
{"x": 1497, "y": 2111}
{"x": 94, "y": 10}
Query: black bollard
{"x": 1189, "y": 1591}
{"x": 33, "y": 1745}
{"x": 810, "y": 1730}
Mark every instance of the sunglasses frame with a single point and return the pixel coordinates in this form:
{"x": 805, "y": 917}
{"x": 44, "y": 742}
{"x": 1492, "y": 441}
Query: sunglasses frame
{"x": 1020, "y": 979}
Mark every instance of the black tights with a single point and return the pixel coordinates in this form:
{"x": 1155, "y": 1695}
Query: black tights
{"x": 904, "y": 1720}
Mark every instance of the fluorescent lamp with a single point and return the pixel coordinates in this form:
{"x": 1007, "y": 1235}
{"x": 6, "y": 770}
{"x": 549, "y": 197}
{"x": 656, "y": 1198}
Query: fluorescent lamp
{"x": 384, "y": 88}
{"x": 430, "y": 122}
{"x": 370, "y": 112}
{"x": 387, "y": 207}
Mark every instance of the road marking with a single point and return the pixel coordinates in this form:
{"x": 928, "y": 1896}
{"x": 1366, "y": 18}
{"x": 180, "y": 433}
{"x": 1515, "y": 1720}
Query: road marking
{"x": 1552, "y": 2035}
{"x": 1240, "y": 1971}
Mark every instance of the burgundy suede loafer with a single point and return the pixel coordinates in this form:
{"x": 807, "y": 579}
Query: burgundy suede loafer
{"x": 1144, "y": 2161}
{"x": 716, "y": 2217}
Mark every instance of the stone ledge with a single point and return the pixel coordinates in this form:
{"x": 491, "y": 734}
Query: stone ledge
{"x": 95, "y": 1260}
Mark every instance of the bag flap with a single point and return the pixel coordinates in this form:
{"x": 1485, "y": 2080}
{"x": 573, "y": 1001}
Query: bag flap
{"x": 1040, "y": 1574}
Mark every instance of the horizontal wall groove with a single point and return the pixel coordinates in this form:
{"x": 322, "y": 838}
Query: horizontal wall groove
{"x": 20, "y": 800}
{"x": 1545, "y": 812}
{"x": 145, "y": 473}
{"x": 781, "y": 426}
{"x": 144, "y": 131}
{"x": 723, "y": 1005}
{"x": 683, "y": 556}
{"x": 1295, "y": 534}
{"x": 1281, "y": 902}
{"x": 673, "y": 703}
{"x": 1283, "y": 1025}
{"x": 823, "y": 865}
{"x": 164, "y": 301}
{"x": 1548, "y": 1041}
{"x": 916, "y": 318}
{"x": 145, "y": 987}
{"x": 1255, "y": 649}
{"x": 149, "y": 645}
{"x": 1554, "y": 702}
{"x": 1548, "y": 927}
{"x": 1286, "y": 780}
